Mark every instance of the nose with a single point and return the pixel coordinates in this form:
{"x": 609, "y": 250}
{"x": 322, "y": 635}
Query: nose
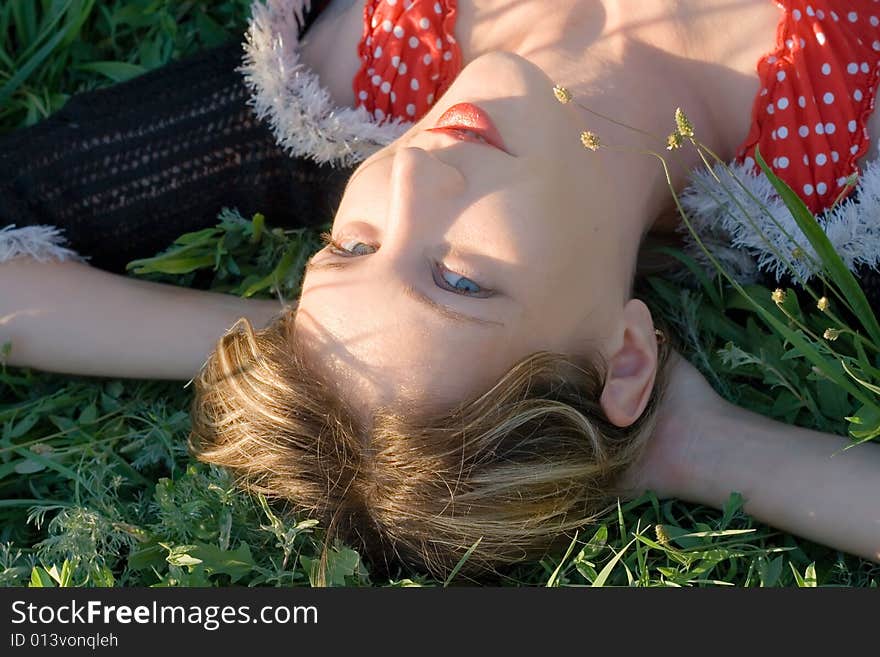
{"x": 419, "y": 172}
{"x": 423, "y": 190}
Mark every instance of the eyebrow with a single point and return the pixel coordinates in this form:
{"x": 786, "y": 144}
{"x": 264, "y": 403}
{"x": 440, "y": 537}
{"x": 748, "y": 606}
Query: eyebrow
{"x": 414, "y": 294}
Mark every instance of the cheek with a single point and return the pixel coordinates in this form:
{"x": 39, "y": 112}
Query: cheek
{"x": 563, "y": 295}
{"x": 512, "y": 225}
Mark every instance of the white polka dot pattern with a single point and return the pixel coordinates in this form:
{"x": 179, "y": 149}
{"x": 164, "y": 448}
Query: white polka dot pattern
{"x": 818, "y": 87}
{"x": 409, "y": 57}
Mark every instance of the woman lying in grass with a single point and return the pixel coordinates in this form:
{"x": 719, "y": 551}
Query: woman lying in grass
{"x": 466, "y": 366}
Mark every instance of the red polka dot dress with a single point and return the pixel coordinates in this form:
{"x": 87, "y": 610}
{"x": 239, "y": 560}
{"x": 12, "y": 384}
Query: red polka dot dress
{"x": 409, "y": 56}
{"x": 818, "y": 84}
{"x": 818, "y": 88}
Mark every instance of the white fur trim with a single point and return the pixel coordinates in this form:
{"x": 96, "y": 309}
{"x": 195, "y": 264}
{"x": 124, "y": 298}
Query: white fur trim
{"x": 746, "y": 239}
{"x": 302, "y": 116}
{"x": 42, "y": 243}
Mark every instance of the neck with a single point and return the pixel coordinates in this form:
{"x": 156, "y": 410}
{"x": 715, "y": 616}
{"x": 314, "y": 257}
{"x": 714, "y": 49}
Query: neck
{"x": 636, "y": 61}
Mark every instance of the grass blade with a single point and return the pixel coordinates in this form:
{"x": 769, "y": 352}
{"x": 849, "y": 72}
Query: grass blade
{"x": 606, "y": 571}
{"x": 45, "y": 31}
{"x": 840, "y": 273}
{"x": 461, "y": 562}
{"x": 18, "y": 79}
{"x": 552, "y": 581}
{"x": 698, "y": 272}
{"x": 116, "y": 71}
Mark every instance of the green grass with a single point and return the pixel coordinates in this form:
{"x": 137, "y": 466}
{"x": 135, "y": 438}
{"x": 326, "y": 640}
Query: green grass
{"x": 51, "y": 49}
{"x": 96, "y": 486}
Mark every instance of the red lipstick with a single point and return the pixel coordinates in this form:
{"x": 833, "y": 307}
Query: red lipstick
{"x": 468, "y": 122}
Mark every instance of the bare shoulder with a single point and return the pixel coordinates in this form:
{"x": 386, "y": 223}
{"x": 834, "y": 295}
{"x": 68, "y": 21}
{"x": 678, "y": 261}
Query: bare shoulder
{"x": 330, "y": 48}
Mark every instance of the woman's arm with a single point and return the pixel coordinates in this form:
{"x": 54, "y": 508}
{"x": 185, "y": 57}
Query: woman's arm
{"x": 795, "y": 479}
{"x": 72, "y": 318}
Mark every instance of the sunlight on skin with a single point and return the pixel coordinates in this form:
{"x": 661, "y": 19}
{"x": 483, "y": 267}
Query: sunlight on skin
{"x": 504, "y": 221}
{"x": 21, "y": 313}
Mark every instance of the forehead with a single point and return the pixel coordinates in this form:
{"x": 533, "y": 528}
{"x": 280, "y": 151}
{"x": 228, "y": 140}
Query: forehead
{"x": 384, "y": 354}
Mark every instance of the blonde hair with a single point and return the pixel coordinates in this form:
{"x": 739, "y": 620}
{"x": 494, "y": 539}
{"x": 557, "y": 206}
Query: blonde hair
{"x": 512, "y": 470}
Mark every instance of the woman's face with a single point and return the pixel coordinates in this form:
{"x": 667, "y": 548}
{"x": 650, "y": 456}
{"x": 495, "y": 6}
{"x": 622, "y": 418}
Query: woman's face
{"x": 454, "y": 259}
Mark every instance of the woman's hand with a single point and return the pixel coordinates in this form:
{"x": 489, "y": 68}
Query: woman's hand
{"x": 798, "y": 480}
{"x": 687, "y": 402}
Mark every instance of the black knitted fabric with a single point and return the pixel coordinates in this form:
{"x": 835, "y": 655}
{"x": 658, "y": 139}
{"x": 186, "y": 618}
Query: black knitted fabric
{"x": 126, "y": 169}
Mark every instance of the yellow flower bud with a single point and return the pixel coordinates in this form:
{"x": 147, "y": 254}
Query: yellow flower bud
{"x": 822, "y": 304}
{"x": 662, "y": 536}
{"x": 831, "y": 334}
{"x": 683, "y": 124}
{"x": 778, "y": 295}
{"x": 674, "y": 141}
{"x": 590, "y": 140}
{"x": 562, "y": 94}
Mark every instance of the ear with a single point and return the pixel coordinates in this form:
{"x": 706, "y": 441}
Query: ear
{"x": 632, "y": 367}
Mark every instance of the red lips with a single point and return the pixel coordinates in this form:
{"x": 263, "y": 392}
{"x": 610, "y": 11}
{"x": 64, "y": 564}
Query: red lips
{"x": 469, "y": 123}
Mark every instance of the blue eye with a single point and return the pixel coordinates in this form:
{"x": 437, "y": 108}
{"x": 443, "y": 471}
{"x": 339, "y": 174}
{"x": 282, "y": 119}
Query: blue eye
{"x": 447, "y": 279}
{"x": 348, "y": 248}
{"x": 460, "y": 283}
